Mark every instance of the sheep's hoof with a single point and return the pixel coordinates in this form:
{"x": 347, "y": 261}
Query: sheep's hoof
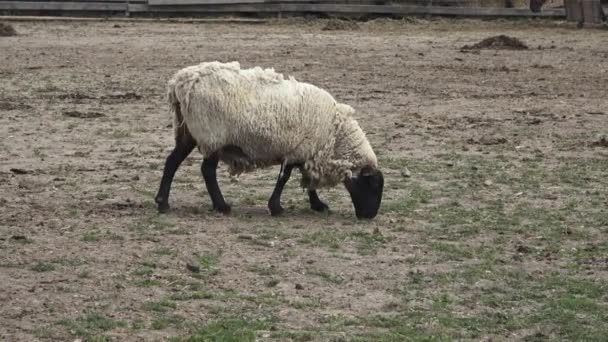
{"x": 320, "y": 207}
{"x": 163, "y": 208}
{"x": 224, "y": 209}
{"x": 276, "y": 211}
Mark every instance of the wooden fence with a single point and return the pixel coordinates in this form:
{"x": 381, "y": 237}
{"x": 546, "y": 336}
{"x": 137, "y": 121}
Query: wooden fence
{"x": 472, "y": 8}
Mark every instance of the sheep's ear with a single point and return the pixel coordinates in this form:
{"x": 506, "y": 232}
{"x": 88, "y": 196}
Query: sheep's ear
{"x": 368, "y": 171}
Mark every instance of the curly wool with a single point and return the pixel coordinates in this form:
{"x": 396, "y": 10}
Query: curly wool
{"x": 272, "y": 120}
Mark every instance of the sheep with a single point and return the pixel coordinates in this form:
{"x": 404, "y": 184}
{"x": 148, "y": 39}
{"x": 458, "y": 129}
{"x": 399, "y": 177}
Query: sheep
{"x": 255, "y": 118}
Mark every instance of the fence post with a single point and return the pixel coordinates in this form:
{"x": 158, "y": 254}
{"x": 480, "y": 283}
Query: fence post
{"x": 584, "y": 12}
{"x": 593, "y": 13}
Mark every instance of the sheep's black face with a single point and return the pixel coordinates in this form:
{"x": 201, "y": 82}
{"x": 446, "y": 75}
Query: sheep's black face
{"x": 366, "y": 192}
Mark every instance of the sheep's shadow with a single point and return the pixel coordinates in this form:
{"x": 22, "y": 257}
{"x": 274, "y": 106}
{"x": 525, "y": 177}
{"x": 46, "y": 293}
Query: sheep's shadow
{"x": 249, "y": 211}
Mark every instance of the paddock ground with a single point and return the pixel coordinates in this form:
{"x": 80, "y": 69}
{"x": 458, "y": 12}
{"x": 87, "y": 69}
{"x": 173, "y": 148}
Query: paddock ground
{"x": 493, "y": 226}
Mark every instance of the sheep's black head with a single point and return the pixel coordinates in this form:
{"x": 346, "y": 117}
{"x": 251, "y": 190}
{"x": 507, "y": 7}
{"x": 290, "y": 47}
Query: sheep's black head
{"x": 365, "y": 191}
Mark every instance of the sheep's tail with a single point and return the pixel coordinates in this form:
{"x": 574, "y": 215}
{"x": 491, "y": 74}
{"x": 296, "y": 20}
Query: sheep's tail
{"x": 175, "y": 108}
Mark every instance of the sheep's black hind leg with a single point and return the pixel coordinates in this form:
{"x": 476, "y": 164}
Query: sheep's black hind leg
{"x": 208, "y": 170}
{"x": 315, "y": 203}
{"x": 274, "y": 203}
{"x": 184, "y": 144}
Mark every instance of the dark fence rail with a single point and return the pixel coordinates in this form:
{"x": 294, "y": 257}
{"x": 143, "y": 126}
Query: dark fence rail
{"x": 471, "y": 8}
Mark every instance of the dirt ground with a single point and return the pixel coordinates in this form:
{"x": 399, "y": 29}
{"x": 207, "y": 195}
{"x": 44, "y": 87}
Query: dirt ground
{"x": 493, "y": 225}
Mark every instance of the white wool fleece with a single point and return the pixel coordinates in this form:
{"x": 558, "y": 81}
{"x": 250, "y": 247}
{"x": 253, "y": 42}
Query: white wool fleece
{"x": 271, "y": 119}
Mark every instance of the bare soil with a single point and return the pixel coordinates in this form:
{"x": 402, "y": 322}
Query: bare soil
{"x": 493, "y": 225}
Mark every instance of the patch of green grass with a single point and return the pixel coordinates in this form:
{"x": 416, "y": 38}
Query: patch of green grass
{"x": 165, "y": 321}
{"x": 138, "y": 324}
{"x": 99, "y": 338}
{"x": 580, "y": 172}
{"x": 198, "y": 294}
{"x": 228, "y": 330}
{"x": 91, "y": 325}
{"x": 67, "y": 261}
{"x": 145, "y": 273}
{"x": 441, "y": 302}
{"x": 74, "y": 212}
{"x": 90, "y": 236}
{"x": 267, "y": 232}
{"x": 306, "y": 303}
{"x": 592, "y": 252}
{"x": 468, "y": 210}
{"x": 143, "y": 191}
{"x": 189, "y": 290}
{"x": 50, "y": 265}
{"x": 163, "y": 251}
{"x": 44, "y": 332}
{"x": 179, "y": 231}
{"x": 249, "y": 199}
{"x": 503, "y": 300}
{"x": 160, "y": 306}
{"x": 330, "y": 238}
{"x": 153, "y": 227}
{"x": 208, "y": 262}
{"x": 42, "y": 267}
{"x": 260, "y": 299}
{"x": 145, "y": 270}
{"x": 575, "y": 307}
{"x": 150, "y": 225}
{"x": 366, "y": 243}
{"x": 328, "y": 277}
{"x": 453, "y": 251}
{"x": 262, "y": 270}
{"x": 297, "y": 336}
{"x": 113, "y": 236}
{"x": 417, "y": 196}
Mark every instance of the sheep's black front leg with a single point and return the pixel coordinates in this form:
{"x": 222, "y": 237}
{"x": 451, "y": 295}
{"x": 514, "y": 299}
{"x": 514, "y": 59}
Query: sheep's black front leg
{"x": 208, "y": 170}
{"x": 315, "y": 203}
{"x": 184, "y": 145}
{"x": 274, "y": 203}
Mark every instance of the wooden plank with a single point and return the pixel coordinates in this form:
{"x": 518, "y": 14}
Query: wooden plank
{"x": 225, "y": 2}
{"x": 229, "y": 2}
{"x": 494, "y": 12}
{"x": 122, "y": 1}
{"x": 349, "y": 9}
{"x": 61, "y": 6}
{"x": 115, "y": 1}
{"x": 134, "y": 20}
{"x": 273, "y": 7}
